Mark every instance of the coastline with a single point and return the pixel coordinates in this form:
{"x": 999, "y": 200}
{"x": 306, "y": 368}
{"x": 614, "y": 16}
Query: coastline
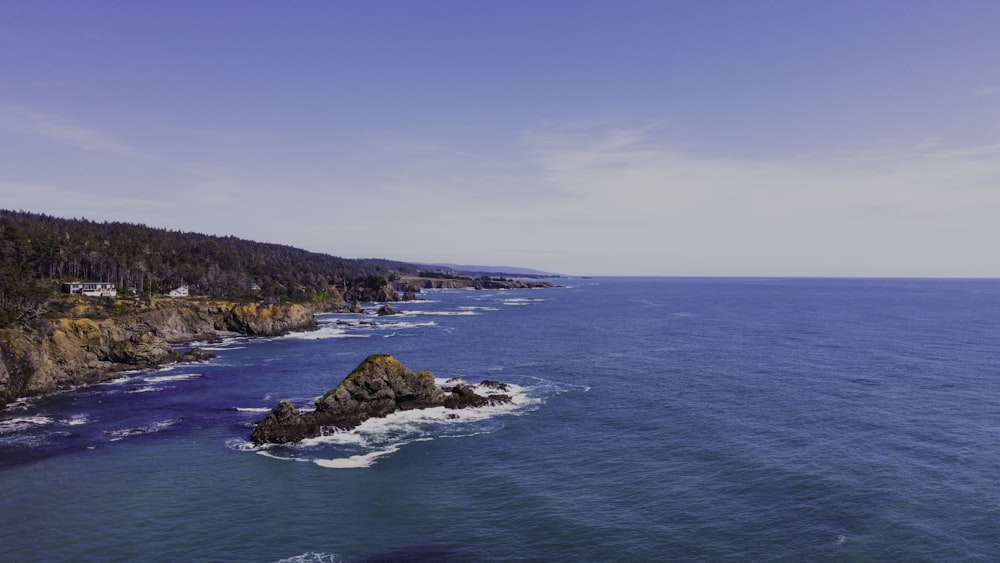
{"x": 92, "y": 341}
{"x": 74, "y": 350}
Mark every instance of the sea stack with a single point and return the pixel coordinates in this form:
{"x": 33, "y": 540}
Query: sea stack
{"x": 379, "y": 386}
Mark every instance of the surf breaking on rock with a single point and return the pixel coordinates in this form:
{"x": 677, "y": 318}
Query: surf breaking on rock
{"x": 379, "y": 386}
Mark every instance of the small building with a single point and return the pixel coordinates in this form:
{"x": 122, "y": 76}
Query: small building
{"x": 181, "y": 291}
{"x": 91, "y": 289}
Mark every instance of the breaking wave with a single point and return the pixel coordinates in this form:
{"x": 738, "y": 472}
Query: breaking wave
{"x": 377, "y": 438}
{"x": 253, "y": 409}
{"x": 522, "y": 301}
{"x": 121, "y": 434}
{"x": 20, "y": 424}
{"x": 171, "y": 378}
{"x": 312, "y": 557}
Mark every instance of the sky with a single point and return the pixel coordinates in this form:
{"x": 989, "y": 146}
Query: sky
{"x": 618, "y": 137}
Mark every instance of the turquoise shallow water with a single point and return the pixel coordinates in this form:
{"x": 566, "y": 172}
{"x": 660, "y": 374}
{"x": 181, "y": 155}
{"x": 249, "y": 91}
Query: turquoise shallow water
{"x": 656, "y": 419}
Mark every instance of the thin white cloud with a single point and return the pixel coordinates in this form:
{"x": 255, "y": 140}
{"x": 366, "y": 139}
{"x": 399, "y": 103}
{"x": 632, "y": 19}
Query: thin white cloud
{"x": 596, "y": 198}
{"x": 63, "y": 202}
{"x": 924, "y": 212}
{"x": 39, "y": 124}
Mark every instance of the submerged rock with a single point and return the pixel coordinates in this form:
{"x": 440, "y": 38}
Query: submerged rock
{"x": 379, "y": 386}
{"x": 197, "y": 355}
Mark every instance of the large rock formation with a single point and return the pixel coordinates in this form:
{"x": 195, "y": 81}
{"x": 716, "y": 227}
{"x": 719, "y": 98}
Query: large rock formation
{"x": 379, "y": 386}
{"x": 268, "y": 320}
{"x": 386, "y": 310}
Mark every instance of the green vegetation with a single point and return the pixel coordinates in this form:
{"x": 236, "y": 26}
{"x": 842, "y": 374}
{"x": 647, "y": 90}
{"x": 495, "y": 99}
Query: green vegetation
{"x": 39, "y": 252}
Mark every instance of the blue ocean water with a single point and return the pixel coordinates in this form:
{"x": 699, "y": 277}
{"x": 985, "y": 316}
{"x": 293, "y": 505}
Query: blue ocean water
{"x": 655, "y": 419}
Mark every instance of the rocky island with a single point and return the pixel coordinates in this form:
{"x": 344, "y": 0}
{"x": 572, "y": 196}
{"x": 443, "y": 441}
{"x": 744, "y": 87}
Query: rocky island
{"x": 379, "y": 386}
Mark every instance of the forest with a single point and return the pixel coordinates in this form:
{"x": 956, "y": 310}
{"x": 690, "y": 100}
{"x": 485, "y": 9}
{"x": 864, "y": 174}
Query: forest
{"x": 39, "y": 252}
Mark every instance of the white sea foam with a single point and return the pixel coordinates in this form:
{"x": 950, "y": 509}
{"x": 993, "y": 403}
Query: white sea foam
{"x": 522, "y": 301}
{"x": 20, "y": 424}
{"x": 77, "y": 420}
{"x": 465, "y": 313}
{"x": 172, "y": 378}
{"x": 267, "y": 453}
{"x": 478, "y": 308}
{"x": 132, "y": 375}
{"x": 381, "y": 436}
{"x": 117, "y": 381}
{"x": 355, "y": 461}
{"x": 116, "y": 435}
{"x": 146, "y": 389}
{"x": 21, "y": 404}
{"x": 402, "y": 325}
{"x": 253, "y": 409}
{"x": 360, "y": 330}
{"x": 375, "y": 438}
{"x": 324, "y": 333}
{"x": 241, "y": 445}
{"x": 228, "y": 343}
{"x": 468, "y": 313}
{"x": 338, "y": 437}
{"x": 312, "y": 557}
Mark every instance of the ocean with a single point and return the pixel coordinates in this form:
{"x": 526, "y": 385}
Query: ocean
{"x": 672, "y": 419}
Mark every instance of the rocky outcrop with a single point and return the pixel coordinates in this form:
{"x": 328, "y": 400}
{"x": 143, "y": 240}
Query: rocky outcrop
{"x": 416, "y": 283}
{"x": 69, "y": 352}
{"x": 377, "y": 290}
{"x": 379, "y": 386}
{"x": 386, "y": 310}
{"x": 268, "y": 320}
{"x": 284, "y": 425}
{"x": 197, "y": 355}
{"x": 504, "y": 283}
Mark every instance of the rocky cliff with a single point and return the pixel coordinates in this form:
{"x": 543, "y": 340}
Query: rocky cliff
{"x": 68, "y": 352}
{"x": 379, "y": 386}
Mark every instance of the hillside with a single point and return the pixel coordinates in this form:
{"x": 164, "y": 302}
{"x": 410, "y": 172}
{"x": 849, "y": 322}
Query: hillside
{"x": 39, "y": 252}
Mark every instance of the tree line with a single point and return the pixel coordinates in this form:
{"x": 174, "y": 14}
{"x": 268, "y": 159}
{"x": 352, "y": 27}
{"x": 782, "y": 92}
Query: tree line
{"x": 39, "y": 252}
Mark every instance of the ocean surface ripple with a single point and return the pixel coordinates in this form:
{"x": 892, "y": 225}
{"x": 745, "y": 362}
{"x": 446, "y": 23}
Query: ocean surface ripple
{"x": 654, "y": 419}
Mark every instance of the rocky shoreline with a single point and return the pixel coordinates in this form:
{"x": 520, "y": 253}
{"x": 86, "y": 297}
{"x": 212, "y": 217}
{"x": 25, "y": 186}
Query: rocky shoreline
{"x": 71, "y": 351}
{"x": 379, "y": 386}
{"x": 93, "y": 340}
{"x": 416, "y": 283}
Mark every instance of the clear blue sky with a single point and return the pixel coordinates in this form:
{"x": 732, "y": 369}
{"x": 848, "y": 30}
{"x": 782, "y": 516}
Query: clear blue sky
{"x": 850, "y": 138}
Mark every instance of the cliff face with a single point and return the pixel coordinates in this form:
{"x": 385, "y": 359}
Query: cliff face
{"x": 268, "y": 320}
{"x": 75, "y": 351}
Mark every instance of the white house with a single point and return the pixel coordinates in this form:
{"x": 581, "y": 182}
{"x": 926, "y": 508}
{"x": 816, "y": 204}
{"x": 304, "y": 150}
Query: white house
{"x": 181, "y": 291}
{"x": 100, "y": 289}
